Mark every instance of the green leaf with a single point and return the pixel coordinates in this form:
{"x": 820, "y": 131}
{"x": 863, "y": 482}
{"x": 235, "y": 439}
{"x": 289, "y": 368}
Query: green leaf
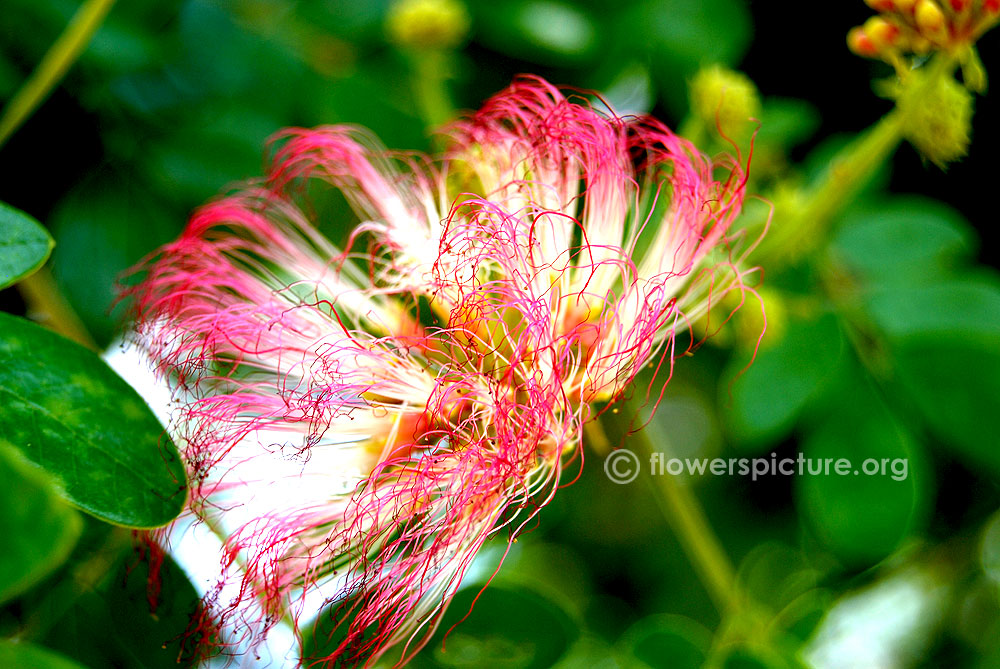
{"x": 668, "y": 641}
{"x": 18, "y": 654}
{"x": 904, "y": 240}
{"x": 38, "y": 528}
{"x": 863, "y": 511}
{"x": 24, "y": 245}
{"x": 380, "y": 95}
{"x": 945, "y": 344}
{"x": 681, "y": 36}
{"x": 509, "y": 627}
{"x": 955, "y": 387}
{"x": 770, "y": 396}
{"x": 966, "y": 309}
{"x": 127, "y": 619}
{"x": 69, "y": 413}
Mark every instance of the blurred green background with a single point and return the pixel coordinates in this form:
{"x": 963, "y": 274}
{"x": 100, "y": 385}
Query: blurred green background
{"x": 884, "y": 335}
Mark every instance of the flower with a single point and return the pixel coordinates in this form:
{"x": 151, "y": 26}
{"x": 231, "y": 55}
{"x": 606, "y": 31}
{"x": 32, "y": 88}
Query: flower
{"x": 423, "y": 389}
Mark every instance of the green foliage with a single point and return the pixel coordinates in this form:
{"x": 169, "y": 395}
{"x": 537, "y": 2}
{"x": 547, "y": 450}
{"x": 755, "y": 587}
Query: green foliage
{"x": 507, "y": 627}
{"x": 787, "y": 122}
{"x": 69, "y": 413}
{"x": 863, "y": 515}
{"x": 24, "y": 245}
{"x": 902, "y": 241}
{"x": 937, "y": 316}
{"x": 666, "y": 641}
{"x": 101, "y": 232}
{"x": 770, "y": 395}
{"x": 548, "y": 31}
{"x": 39, "y": 529}
{"x": 17, "y": 654}
{"x": 960, "y": 410}
{"x": 682, "y": 36}
{"x": 131, "y": 618}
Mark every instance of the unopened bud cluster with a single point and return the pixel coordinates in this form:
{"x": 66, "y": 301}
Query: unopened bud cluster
{"x": 921, "y": 26}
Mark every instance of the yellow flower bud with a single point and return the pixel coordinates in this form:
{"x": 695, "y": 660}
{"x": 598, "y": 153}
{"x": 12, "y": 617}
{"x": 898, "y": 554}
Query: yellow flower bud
{"x": 860, "y": 43}
{"x": 724, "y": 99}
{"x": 882, "y": 33}
{"x": 427, "y": 24}
{"x": 937, "y": 117}
{"x": 931, "y": 21}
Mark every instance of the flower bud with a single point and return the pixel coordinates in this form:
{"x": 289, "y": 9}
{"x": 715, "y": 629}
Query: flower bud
{"x": 859, "y": 42}
{"x": 724, "y": 99}
{"x": 882, "y": 33}
{"x": 427, "y": 24}
{"x": 931, "y": 20}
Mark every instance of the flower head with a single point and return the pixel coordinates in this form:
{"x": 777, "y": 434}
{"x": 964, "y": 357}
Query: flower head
{"x": 424, "y": 388}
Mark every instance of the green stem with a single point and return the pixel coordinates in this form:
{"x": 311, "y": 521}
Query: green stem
{"x": 56, "y": 62}
{"x": 48, "y": 305}
{"x": 430, "y": 71}
{"x": 686, "y": 517}
{"x": 850, "y": 170}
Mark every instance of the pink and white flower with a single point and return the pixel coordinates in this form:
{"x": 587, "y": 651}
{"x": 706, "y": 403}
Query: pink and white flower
{"x": 424, "y": 388}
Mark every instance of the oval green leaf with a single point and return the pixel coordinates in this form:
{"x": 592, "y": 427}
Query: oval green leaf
{"x": 69, "y": 413}
{"x": 962, "y": 309}
{"x": 507, "y": 627}
{"x": 131, "y": 618}
{"x": 503, "y": 626}
{"x": 863, "y": 489}
{"x": 768, "y": 398}
{"x": 903, "y": 241}
{"x": 39, "y": 529}
{"x": 24, "y": 245}
{"x": 668, "y": 641}
{"x": 955, "y": 387}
